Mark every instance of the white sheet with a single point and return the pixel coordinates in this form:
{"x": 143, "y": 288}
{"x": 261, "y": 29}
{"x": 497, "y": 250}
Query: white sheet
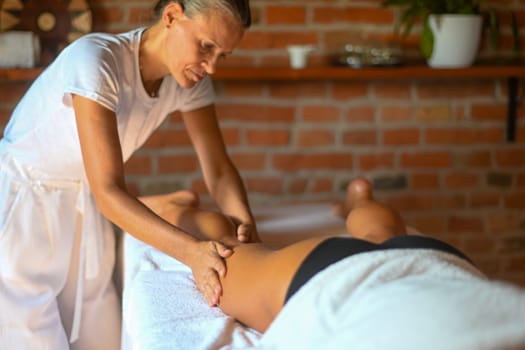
{"x": 445, "y": 308}
{"x": 400, "y": 299}
{"x": 162, "y": 308}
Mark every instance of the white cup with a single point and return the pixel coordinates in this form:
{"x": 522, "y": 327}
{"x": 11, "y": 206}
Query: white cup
{"x": 299, "y": 55}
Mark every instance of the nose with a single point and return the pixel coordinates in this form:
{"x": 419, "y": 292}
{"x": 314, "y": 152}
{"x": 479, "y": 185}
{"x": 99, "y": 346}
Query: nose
{"x": 209, "y": 64}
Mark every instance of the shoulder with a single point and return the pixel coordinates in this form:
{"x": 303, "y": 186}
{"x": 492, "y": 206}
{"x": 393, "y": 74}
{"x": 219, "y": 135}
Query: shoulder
{"x": 98, "y": 47}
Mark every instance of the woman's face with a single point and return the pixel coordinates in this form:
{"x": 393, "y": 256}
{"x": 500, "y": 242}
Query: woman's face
{"x": 193, "y": 46}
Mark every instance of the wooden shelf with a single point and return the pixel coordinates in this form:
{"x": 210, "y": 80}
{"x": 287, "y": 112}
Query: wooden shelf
{"x": 347, "y": 73}
{"x": 489, "y": 70}
{"x": 412, "y": 71}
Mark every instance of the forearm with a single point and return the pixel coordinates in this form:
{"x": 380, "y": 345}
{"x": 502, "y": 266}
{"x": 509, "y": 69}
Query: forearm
{"x": 228, "y": 191}
{"x": 134, "y": 217}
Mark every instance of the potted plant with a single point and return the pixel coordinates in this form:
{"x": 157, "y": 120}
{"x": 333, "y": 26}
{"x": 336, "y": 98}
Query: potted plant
{"x": 451, "y": 29}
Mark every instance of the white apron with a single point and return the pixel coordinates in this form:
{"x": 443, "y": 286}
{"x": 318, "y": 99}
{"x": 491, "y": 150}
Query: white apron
{"x": 40, "y": 296}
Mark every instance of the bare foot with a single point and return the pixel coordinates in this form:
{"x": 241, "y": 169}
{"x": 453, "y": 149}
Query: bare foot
{"x": 357, "y": 190}
{"x": 368, "y": 219}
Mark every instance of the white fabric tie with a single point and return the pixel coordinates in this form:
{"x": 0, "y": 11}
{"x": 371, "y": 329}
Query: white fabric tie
{"x": 90, "y": 251}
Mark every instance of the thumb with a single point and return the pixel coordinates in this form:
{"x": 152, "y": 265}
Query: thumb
{"x": 222, "y": 250}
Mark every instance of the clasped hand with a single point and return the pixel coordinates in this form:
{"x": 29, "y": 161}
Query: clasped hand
{"x": 209, "y": 265}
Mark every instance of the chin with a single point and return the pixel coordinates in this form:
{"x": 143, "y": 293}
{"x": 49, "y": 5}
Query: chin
{"x": 185, "y": 82}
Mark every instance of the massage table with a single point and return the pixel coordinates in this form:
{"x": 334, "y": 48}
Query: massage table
{"x": 441, "y": 302}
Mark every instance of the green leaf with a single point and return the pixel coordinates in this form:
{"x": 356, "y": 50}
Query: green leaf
{"x": 426, "y": 42}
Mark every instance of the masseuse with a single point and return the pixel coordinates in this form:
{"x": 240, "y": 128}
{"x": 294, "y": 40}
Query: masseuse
{"x": 62, "y": 179}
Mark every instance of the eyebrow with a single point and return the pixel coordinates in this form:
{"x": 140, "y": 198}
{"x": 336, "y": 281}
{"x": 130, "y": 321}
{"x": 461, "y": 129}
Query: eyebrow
{"x": 217, "y": 46}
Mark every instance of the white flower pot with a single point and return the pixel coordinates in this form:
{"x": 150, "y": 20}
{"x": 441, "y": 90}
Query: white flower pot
{"x": 456, "y": 40}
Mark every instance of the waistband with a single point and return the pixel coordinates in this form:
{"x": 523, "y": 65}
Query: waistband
{"x": 335, "y": 249}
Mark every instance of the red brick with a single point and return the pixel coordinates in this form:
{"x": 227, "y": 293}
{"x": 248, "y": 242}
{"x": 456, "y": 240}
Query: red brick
{"x": 489, "y": 112}
{"x": 510, "y": 158}
{"x": 177, "y": 164}
{"x": 455, "y": 89}
{"x": 314, "y": 138}
{"x": 429, "y": 160}
{"x": 443, "y": 136}
{"x": 285, "y": 15}
{"x": 476, "y": 246}
{"x": 320, "y": 113}
{"x": 298, "y": 90}
{"x": 231, "y": 136}
{"x": 360, "y": 114}
{"x": 484, "y": 200}
{"x": 255, "y": 113}
{"x": 429, "y": 224}
{"x": 352, "y": 14}
{"x": 298, "y": 185}
{"x": 458, "y": 224}
{"x": 398, "y": 136}
{"x": 239, "y": 89}
{"x": 369, "y": 162}
{"x": 301, "y": 161}
{"x": 420, "y": 181}
{"x": 270, "y": 185}
{"x": 360, "y": 137}
{"x": 392, "y": 90}
{"x": 168, "y": 138}
{"x": 269, "y": 137}
{"x": 516, "y": 264}
{"x": 396, "y": 114}
{"x": 349, "y": 90}
{"x": 462, "y": 180}
{"x": 12, "y": 92}
{"x": 515, "y": 200}
{"x": 456, "y": 201}
{"x": 249, "y": 161}
{"x": 323, "y": 185}
{"x": 475, "y": 159}
{"x": 140, "y": 16}
{"x": 138, "y": 165}
{"x": 255, "y": 39}
{"x": 411, "y": 203}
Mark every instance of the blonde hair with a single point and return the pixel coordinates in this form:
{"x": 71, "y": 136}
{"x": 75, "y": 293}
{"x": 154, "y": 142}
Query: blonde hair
{"x": 238, "y": 8}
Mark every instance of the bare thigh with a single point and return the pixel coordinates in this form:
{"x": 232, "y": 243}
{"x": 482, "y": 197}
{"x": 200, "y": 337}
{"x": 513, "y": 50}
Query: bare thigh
{"x": 258, "y": 278}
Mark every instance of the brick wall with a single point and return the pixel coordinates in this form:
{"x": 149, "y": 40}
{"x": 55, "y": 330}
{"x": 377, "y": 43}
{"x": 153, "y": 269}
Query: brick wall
{"x": 434, "y": 149}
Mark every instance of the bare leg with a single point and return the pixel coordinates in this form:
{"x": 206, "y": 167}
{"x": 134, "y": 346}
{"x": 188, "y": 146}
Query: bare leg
{"x": 368, "y": 219}
{"x": 258, "y": 277}
{"x": 182, "y": 209}
{"x": 164, "y": 202}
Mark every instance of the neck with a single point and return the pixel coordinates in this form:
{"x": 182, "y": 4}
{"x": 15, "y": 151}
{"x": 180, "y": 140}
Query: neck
{"x": 151, "y": 68}
{"x": 151, "y": 65}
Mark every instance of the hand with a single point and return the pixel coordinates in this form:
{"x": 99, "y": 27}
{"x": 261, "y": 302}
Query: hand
{"x": 207, "y": 268}
{"x": 247, "y": 233}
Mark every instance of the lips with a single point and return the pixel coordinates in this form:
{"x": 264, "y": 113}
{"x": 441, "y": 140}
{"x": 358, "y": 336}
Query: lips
{"x": 196, "y": 76}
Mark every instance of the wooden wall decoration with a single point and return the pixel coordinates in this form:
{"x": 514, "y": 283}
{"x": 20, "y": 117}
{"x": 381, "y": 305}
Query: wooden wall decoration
{"x": 55, "y": 22}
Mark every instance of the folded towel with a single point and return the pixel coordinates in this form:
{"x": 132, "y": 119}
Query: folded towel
{"x": 400, "y": 299}
{"x": 19, "y": 49}
{"x": 164, "y": 310}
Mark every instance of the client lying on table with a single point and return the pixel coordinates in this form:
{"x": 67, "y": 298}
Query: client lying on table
{"x": 260, "y": 280}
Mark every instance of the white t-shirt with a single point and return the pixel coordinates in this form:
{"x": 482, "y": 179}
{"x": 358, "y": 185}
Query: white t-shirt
{"x": 104, "y": 68}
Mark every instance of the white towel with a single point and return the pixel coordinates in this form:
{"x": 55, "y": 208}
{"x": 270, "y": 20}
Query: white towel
{"x": 164, "y": 310}
{"x": 19, "y": 49}
{"x": 400, "y": 299}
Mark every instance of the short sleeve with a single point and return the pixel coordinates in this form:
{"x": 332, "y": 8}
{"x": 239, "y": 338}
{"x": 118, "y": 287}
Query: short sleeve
{"x": 92, "y": 71}
{"x": 201, "y": 95}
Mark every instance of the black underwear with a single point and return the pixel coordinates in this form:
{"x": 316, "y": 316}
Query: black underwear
{"x": 337, "y": 248}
